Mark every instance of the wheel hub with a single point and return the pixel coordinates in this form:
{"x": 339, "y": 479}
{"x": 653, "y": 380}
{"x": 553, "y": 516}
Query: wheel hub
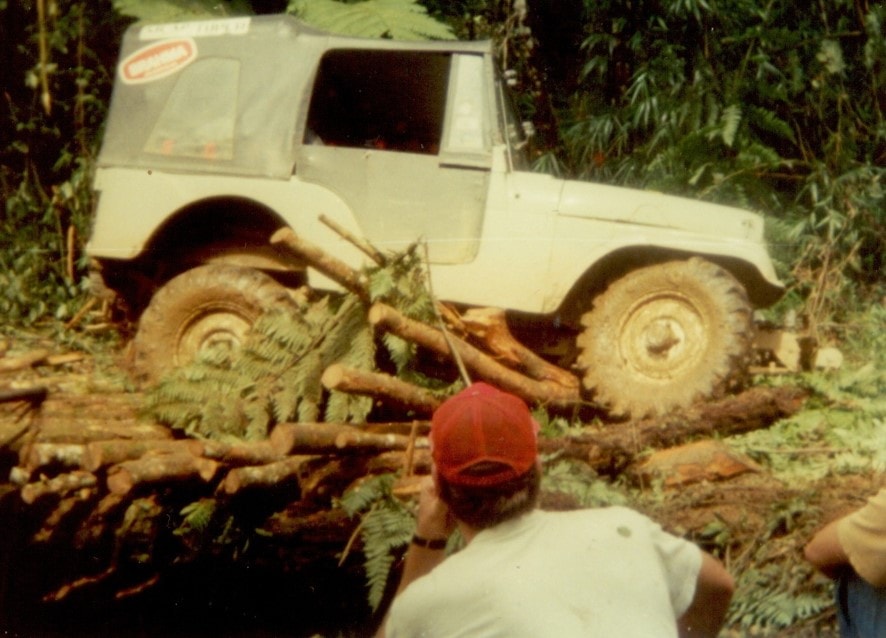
{"x": 661, "y": 336}
{"x": 211, "y": 330}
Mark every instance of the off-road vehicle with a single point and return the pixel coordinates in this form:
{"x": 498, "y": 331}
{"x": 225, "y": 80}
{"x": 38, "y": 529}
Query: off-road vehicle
{"x": 221, "y": 132}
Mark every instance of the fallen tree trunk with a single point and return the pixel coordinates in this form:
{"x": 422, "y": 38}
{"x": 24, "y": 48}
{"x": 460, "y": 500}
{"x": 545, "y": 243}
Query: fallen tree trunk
{"x": 532, "y": 391}
{"x": 612, "y": 449}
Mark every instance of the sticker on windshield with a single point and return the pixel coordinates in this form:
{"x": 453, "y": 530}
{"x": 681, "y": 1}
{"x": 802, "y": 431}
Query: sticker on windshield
{"x": 158, "y": 60}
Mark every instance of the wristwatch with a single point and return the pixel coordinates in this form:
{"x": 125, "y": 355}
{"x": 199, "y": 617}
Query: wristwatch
{"x": 429, "y": 543}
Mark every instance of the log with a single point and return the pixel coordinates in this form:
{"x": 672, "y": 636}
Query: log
{"x": 34, "y": 396}
{"x": 113, "y": 405}
{"x": 38, "y": 455}
{"x": 159, "y": 468}
{"x": 100, "y": 454}
{"x": 330, "y": 438}
{"x": 379, "y": 385}
{"x": 27, "y": 360}
{"x": 335, "y": 269}
{"x": 98, "y": 523}
{"x": 704, "y": 460}
{"x": 489, "y": 326}
{"x": 612, "y": 449}
{"x": 269, "y": 475}
{"x": 237, "y": 454}
{"x": 60, "y": 485}
{"x": 396, "y": 461}
{"x": 96, "y": 429}
{"x": 532, "y": 391}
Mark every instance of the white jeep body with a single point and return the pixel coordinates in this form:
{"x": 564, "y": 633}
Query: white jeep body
{"x": 222, "y": 131}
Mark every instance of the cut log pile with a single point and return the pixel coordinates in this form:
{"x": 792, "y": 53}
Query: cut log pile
{"x": 88, "y": 467}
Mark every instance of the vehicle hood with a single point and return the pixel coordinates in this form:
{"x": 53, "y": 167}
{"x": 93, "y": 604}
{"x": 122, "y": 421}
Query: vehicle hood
{"x": 650, "y": 208}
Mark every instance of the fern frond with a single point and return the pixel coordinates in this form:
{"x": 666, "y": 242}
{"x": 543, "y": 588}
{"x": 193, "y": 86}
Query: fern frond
{"x": 396, "y": 19}
{"x": 178, "y": 10}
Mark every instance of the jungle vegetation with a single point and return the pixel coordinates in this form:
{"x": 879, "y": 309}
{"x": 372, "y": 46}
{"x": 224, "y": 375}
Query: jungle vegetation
{"x": 772, "y": 105}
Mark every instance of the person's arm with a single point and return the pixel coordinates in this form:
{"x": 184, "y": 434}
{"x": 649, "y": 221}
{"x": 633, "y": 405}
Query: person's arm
{"x": 433, "y": 523}
{"x": 825, "y": 552}
{"x": 713, "y": 592}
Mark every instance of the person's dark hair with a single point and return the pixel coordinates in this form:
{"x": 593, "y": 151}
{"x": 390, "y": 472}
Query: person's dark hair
{"x": 487, "y": 506}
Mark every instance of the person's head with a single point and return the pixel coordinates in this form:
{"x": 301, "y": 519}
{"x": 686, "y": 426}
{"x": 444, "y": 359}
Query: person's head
{"x": 484, "y": 447}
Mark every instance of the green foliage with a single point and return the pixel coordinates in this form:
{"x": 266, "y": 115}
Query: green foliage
{"x": 275, "y": 378}
{"x": 55, "y": 98}
{"x": 395, "y": 19}
{"x": 179, "y": 10}
{"x": 765, "y": 105}
{"x": 767, "y": 601}
{"x": 385, "y": 528}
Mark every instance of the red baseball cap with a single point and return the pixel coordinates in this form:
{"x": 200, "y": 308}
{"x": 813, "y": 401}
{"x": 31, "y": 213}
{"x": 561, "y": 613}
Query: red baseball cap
{"x": 482, "y": 424}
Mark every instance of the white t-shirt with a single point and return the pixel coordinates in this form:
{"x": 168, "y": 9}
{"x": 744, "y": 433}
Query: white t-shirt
{"x": 608, "y": 572}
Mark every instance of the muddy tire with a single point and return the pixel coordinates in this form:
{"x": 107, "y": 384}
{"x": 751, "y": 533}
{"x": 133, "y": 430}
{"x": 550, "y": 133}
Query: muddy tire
{"x": 663, "y": 337}
{"x": 207, "y": 307}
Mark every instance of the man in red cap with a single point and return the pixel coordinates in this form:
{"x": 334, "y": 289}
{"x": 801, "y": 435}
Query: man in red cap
{"x": 530, "y": 573}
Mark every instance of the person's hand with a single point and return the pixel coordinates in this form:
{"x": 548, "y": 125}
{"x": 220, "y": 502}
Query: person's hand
{"x": 434, "y": 520}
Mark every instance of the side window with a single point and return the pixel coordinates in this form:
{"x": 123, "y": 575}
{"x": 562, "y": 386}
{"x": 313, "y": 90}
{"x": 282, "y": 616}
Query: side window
{"x": 199, "y": 115}
{"x": 387, "y": 100}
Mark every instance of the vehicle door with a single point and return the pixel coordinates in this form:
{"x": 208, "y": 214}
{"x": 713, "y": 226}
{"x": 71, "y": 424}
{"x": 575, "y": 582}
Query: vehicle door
{"x": 403, "y": 137}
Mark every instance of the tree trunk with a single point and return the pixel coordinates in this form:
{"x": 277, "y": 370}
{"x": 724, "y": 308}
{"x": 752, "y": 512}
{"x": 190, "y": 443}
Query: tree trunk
{"x": 612, "y": 449}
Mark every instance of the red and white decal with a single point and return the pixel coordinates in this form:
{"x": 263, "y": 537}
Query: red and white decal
{"x": 158, "y": 60}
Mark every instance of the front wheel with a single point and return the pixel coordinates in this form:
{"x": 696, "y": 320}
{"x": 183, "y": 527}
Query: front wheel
{"x": 665, "y": 336}
{"x": 205, "y": 308}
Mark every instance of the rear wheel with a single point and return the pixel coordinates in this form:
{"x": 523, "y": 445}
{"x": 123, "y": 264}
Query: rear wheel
{"x": 202, "y": 309}
{"x": 665, "y": 336}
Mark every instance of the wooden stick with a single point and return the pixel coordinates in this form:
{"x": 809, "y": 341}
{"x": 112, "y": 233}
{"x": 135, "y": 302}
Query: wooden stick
{"x": 363, "y": 246}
